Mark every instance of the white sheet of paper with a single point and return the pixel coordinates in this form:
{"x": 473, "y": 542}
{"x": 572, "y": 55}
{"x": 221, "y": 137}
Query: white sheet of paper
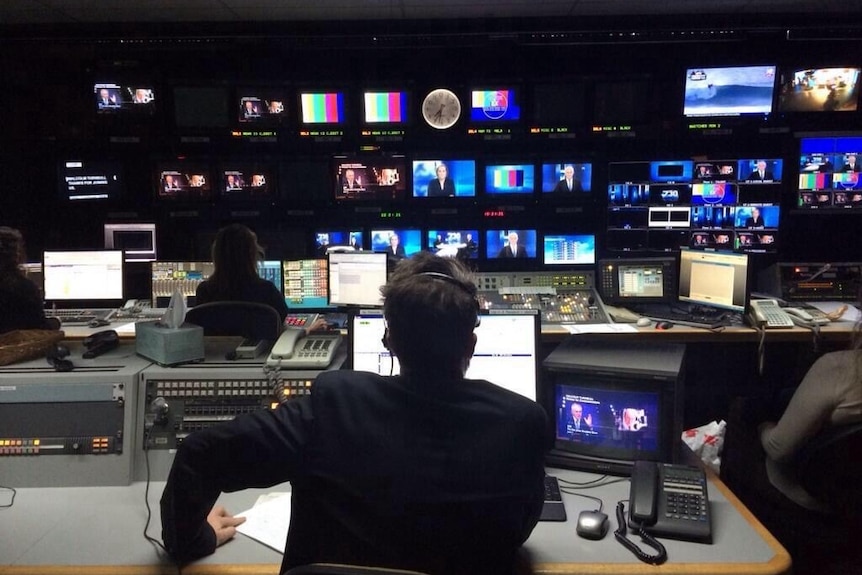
{"x": 601, "y": 328}
{"x": 268, "y": 520}
{"x": 850, "y": 314}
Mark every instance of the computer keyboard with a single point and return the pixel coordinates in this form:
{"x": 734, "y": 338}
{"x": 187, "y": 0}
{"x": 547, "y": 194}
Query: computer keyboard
{"x": 553, "y": 508}
{"x": 79, "y": 316}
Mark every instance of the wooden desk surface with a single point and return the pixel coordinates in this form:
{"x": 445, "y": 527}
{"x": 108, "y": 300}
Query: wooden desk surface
{"x": 98, "y": 531}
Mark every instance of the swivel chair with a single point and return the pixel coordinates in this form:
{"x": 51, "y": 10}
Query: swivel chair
{"x": 342, "y": 569}
{"x": 237, "y": 318}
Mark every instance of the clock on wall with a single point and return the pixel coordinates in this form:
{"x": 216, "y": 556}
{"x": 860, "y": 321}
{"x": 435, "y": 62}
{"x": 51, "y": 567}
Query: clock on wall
{"x": 441, "y": 108}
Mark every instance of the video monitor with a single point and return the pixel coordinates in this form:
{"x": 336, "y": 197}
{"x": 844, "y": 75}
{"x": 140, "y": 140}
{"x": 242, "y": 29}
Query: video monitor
{"x": 759, "y": 170}
{"x": 252, "y": 181}
{"x": 669, "y": 194}
{"x": 306, "y": 284}
{"x": 454, "y": 243}
{"x": 757, "y": 217}
{"x": 201, "y": 107}
{"x": 669, "y": 217}
{"x": 637, "y": 281}
{"x": 671, "y": 171}
{"x": 569, "y": 249}
{"x": 118, "y": 99}
{"x": 266, "y": 106}
{"x": 177, "y": 182}
{"x": 386, "y": 107}
{"x": 714, "y": 279}
{"x": 628, "y": 195}
{"x": 716, "y": 193}
{"x": 397, "y": 244}
{"x": 168, "y": 277}
{"x": 715, "y": 170}
{"x": 355, "y": 278}
{"x": 819, "y": 90}
{"x": 322, "y": 108}
{"x": 622, "y": 102}
{"x": 495, "y": 105}
{"x": 271, "y": 271}
{"x": 86, "y": 180}
{"x": 379, "y": 178}
{"x": 444, "y": 178}
{"x": 328, "y": 241}
{"x": 510, "y": 243}
{"x": 137, "y": 240}
{"x": 567, "y": 178}
{"x": 559, "y": 105}
{"x": 92, "y": 278}
{"x": 507, "y": 349}
{"x": 503, "y": 179}
{"x": 729, "y": 91}
{"x": 713, "y": 217}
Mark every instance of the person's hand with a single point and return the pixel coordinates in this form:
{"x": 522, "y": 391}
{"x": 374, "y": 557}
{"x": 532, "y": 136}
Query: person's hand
{"x": 589, "y": 419}
{"x": 318, "y": 325}
{"x": 224, "y": 524}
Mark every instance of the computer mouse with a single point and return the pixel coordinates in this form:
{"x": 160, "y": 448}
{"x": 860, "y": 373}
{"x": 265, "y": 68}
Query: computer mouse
{"x": 592, "y": 524}
{"x": 643, "y": 322}
{"x": 663, "y": 325}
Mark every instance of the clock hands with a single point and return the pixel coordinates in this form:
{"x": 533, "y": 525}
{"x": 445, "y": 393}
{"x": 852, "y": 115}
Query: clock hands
{"x": 439, "y": 115}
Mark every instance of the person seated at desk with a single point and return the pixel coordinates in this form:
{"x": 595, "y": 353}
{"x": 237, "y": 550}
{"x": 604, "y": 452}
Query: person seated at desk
{"x": 20, "y": 301}
{"x": 425, "y": 470}
{"x": 235, "y": 253}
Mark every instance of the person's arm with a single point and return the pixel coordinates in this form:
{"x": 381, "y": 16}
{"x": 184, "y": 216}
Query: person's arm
{"x": 808, "y": 411}
{"x": 260, "y": 449}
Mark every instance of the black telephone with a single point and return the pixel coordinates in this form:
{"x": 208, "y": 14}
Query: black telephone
{"x": 670, "y": 500}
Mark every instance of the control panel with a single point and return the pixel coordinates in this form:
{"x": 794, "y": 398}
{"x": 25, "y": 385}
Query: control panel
{"x": 836, "y": 281}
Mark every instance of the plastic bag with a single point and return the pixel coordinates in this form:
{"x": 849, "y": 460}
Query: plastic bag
{"x": 707, "y": 441}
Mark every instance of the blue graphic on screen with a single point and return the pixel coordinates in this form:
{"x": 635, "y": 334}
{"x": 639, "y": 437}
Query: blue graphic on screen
{"x": 759, "y": 169}
{"x": 509, "y": 179}
{"x": 554, "y": 177}
{"x": 325, "y": 239}
{"x": 494, "y": 106}
{"x": 757, "y": 216}
{"x": 671, "y": 171}
{"x": 713, "y": 193}
{"x": 461, "y": 174}
{"x": 410, "y": 239}
{"x": 453, "y": 243}
{"x": 712, "y": 216}
{"x": 628, "y": 194}
{"x": 573, "y": 249}
{"x": 608, "y": 417}
{"x": 271, "y": 271}
{"x": 497, "y": 242}
{"x": 729, "y": 91}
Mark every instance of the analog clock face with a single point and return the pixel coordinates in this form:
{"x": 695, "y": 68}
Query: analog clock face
{"x": 441, "y": 108}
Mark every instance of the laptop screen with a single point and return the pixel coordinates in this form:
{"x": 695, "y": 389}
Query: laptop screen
{"x": 507, "y": 347}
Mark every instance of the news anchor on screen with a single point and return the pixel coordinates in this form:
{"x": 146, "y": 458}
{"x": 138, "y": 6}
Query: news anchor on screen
{"x": 851, "y": 165}
{"x": 442, "y": 185}
{"x": 351, "y": 183}
{"x": 755, "y": 220}
{"x": 568, "y": 183}
{"x": 761, "y": 173}
{"x": 513, "y": 249}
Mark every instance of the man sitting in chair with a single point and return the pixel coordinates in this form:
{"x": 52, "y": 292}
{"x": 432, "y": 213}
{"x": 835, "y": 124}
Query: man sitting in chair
{"x": 426, "y": 470}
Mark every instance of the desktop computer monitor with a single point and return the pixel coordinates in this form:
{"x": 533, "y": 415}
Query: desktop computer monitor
{"x": 271, "y": 270}
{"x": 507, "y": 349}
{"x": 306, "y": 284}
{"x": 714, "y": 279}
{"x": 137, "y": 240}
{"x": 88, "y": 279}
{"x": 355, "y": 278}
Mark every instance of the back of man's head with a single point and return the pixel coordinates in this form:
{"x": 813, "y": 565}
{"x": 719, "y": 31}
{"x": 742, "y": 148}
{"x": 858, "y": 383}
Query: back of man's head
{"x": 431, "y": 312}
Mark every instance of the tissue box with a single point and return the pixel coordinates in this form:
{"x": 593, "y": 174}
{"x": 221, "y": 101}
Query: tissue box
{"x": 167, "y": 346}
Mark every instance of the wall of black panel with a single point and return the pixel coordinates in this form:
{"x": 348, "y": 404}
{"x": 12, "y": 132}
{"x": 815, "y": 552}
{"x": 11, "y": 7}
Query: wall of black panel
{"x": 627, "y": 82}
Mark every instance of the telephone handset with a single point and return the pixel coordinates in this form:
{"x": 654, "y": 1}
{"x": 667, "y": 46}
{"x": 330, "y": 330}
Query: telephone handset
{"x": 296, "y": 350}
{"x": 670, "y": 500}
{"x": 768, "y": 314}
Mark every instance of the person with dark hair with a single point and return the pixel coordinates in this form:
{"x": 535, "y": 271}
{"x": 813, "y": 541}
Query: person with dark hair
{"x": 235, "y": 255}
{"x": 425, "y": 470}
{"x": 21, "y": 305}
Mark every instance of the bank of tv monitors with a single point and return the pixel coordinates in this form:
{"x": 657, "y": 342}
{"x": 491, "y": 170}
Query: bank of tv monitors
{"x": 510, "y": 243}
{"x": 379, "y": 178}
{"x": 829, "y": 173}
{"x": 183, "y": 182}
{"x": 819, "y": 90}
{"x": 385, "y": 107}
{"x": 322, "y": 108}
{"x": 454, "y": 243}
{"x": 90, "y": 181}
{"x": 495, "y": 105}
{"x": 118, "y": 99}
{"x": 251, "y": 181}
{"x": 261, "y": 106}
{"x": 729, "y": 91}
{"x": 557, "y": 175}
{"x": 719, "y": 204}
{"x": 442, "y": 178}
{"x": 504, "y": 179}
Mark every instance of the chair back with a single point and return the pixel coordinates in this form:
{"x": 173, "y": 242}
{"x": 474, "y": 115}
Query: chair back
{"x": 237, "y": 318}
{"x": 829, "y": 468}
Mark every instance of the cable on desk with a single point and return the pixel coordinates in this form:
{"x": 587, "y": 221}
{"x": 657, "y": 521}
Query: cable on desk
{"x": 148, "y": 537}
{"x": 620, "y": 534}
{"x": 11, "y": 501}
